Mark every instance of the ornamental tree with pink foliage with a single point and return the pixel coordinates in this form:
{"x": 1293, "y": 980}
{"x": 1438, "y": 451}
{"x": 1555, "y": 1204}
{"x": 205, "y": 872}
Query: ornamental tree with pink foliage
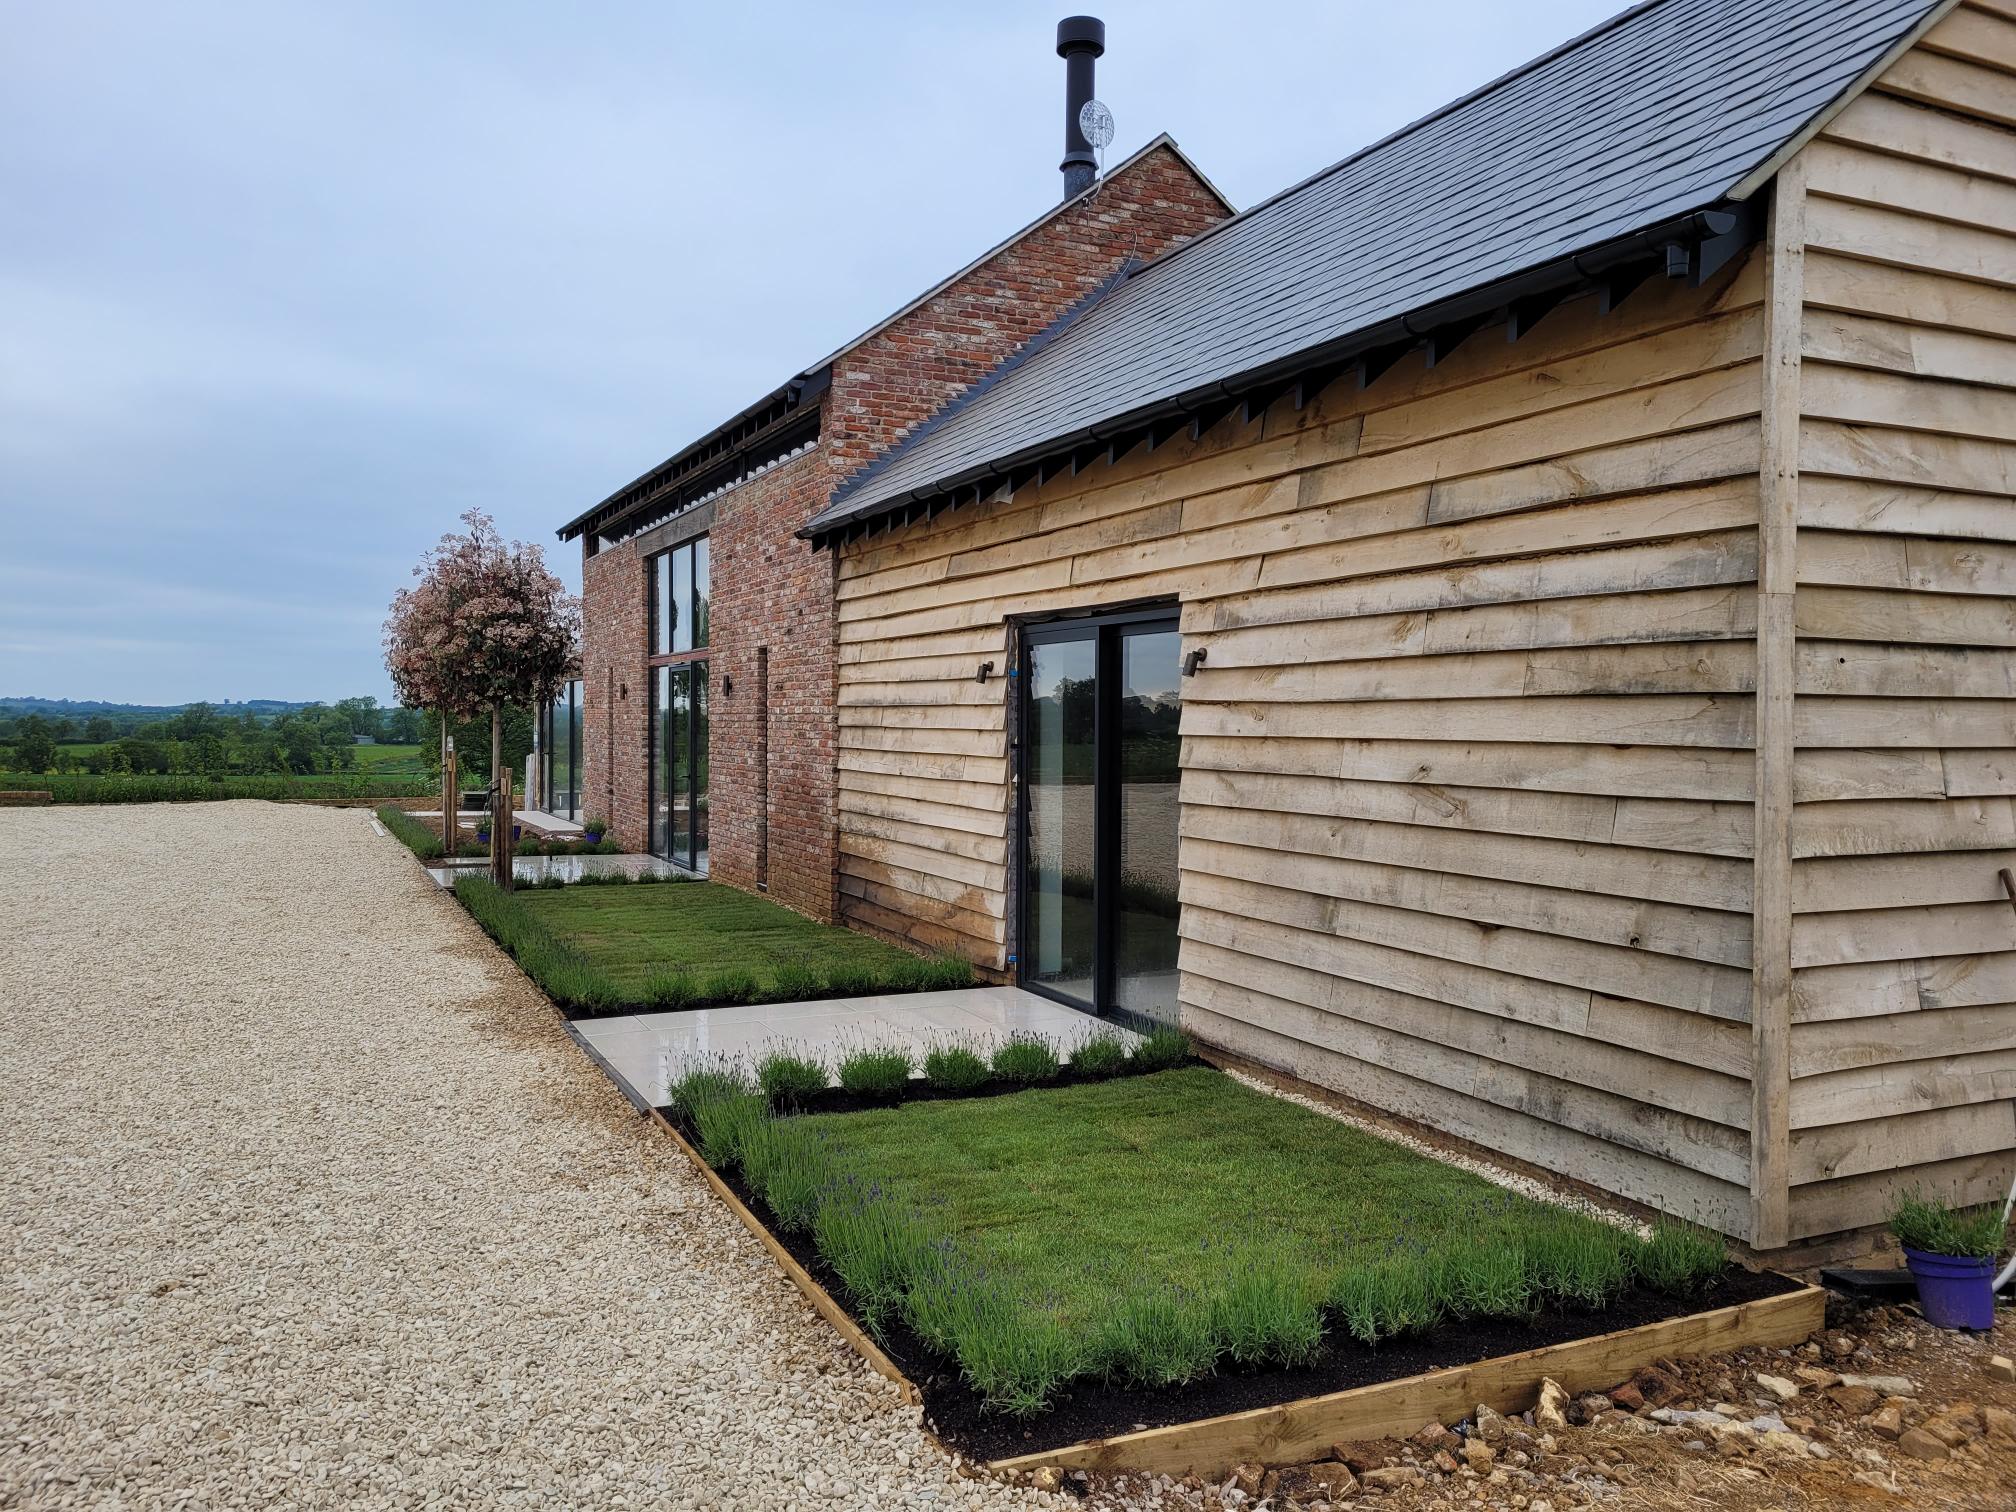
{"x": 487, "y": 626}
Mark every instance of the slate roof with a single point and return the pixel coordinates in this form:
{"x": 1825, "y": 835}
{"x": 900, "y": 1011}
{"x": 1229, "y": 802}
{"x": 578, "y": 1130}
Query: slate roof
{"x": 1672, "y": 107}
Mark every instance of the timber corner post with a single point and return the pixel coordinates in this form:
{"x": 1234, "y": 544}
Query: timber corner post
{"x": 1777, "y": 568}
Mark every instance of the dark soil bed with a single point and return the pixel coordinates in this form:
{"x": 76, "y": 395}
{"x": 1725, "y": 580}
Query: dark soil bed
{"x": 1093, "y": 1410}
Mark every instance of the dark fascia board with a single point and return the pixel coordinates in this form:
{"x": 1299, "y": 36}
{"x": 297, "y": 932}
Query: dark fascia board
{"x": 1728, "y": 226}
{"x": 801, "y": 391}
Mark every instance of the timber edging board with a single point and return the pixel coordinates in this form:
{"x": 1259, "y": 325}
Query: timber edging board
{"x": 799, "y": 1277}
{"x": 1299, "y": 1431}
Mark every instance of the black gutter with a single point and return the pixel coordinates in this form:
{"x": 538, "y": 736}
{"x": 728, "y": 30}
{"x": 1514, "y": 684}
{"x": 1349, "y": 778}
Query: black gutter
{"x": 1726, "y": 228}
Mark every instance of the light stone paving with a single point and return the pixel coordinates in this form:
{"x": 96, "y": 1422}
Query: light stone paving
{"x": 309, "y": 1201}
{"x": 649, "y": 1050}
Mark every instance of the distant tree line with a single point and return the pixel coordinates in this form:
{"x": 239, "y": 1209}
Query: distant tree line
{"x": 200, "y": 739}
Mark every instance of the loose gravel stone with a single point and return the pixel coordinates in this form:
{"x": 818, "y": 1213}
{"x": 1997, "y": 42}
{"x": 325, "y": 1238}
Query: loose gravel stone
{"x": 311, "y": 1201}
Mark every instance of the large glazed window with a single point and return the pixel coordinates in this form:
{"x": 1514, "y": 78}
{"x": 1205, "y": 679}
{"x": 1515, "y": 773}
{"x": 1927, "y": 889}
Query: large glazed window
{"x": 679, "y": 589}
{"x": 679, "y": 585}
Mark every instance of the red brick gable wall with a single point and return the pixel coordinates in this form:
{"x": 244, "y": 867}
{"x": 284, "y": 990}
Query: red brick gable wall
{"x": 903, "y": 375}
{"x": 772, "y": 778}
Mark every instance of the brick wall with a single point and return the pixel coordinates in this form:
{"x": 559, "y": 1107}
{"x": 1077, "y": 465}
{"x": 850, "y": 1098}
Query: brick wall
{"x": 615, "y": 695}
{"x": 906, "y": 373}
{"x": 772, "y": 777}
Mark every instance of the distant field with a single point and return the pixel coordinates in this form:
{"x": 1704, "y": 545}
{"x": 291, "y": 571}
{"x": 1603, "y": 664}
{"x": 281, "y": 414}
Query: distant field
{"x": 409, "y": 759}
{"x": 83, "y": 787}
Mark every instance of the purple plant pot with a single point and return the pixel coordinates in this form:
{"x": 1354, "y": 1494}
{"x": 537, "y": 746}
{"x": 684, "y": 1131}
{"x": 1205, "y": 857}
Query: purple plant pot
{"x": 1955, "y": 1291}
{"x": 593, "y": 837}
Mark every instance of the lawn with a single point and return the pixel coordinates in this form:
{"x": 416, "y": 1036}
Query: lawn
{"x": 1147, "y": 1230}
{"x": 678, "y": 944}
{"x": 701, "y": 928}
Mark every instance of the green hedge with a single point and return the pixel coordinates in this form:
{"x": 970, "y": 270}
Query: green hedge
{"x": 135, "y": 787}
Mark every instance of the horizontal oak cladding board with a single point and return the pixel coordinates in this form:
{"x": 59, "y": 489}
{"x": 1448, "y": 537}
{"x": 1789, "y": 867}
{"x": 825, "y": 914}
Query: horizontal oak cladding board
{"x": 975, "y": 828}
{"x": 1879, "y": 987}
{"x": 1824, "y": 884}
{"x": 1893, "y": 827}
{"x": 1845, "y": 1044}
{"x": 1658, "y": 824}
{"x": 906, "y": 927}
{"x": 1953, "y": 83}
{"x": 1902, "y": 934}
{"x": 1978, "y": 33}
{"x": 1824, "y": 721}
{"x": 1881, "y": 1144}
{"x": 1866, "y": 560}
{"x": 1850, "y": 172}
{"x": 1305, "y": 1430}
{"x": 1415, "y": 999}
{"x": 1828, "y": 1207}
{"x": 1909, "y": 241}
{"x": 1550, "y": 583}
{"x": 1914, "y": 295}
{"x": 1910, "y": 130}
{"x": 1499, "y": 1097}
{"x": 1651, "y": 772}
{"x": 1899, "y": 349}
{"x": 1858, "y": 396}
{"x": 1721, "y": 666}
{"x": 1937, "y": 1081}
{"x": 1902, "y": 617}
{"x": 1723, "y": 720}
{"x": 1605, "y": 619}
{"x": 1621, "y": 871}
{"x": 1699, "y": 934}
{"x": 1320, "y": 923}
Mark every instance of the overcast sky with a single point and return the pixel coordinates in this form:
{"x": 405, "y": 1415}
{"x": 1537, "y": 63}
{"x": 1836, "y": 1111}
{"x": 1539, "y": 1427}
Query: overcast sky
{"x": 286, "y": 287}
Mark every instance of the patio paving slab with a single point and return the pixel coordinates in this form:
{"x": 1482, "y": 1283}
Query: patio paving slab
{"x": 647, "y": 1051}
{"x": 568, "y": 868}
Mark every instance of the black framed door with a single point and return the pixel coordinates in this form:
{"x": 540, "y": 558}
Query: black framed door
{"x": 1097, "y": 813}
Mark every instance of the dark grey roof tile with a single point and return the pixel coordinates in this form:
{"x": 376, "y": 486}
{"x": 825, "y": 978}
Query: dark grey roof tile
{"x": 1660, "y": 112}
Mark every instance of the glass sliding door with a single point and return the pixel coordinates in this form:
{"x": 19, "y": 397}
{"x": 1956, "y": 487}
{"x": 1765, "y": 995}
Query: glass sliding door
{"x": 1057, "y": 837}
{"x": 560, "y": 751}
{"x": 1100, "y": 763}
{"x": 679, "y": 764}
{"x": 1144, "y": 912}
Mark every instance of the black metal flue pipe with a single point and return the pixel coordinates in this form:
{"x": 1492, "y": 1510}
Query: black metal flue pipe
{"x": 1080, "y": 41}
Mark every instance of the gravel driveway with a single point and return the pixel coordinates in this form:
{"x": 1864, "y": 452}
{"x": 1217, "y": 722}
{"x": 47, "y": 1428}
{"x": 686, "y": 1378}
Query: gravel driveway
{"x": 308, "y": 1200}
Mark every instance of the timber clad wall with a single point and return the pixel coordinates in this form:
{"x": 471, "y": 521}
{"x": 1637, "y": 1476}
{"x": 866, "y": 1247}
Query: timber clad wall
{"x": 1484, "y": 820}
{"x": 1466, "y": 787}
{"x": 1903, "y": 1042}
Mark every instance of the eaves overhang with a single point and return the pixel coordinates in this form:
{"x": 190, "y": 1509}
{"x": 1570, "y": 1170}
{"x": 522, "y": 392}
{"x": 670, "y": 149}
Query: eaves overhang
{"x": 1696, "y": 246}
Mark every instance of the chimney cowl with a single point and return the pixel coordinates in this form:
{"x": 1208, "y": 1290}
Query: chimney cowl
{"x": 1080, "y": 40}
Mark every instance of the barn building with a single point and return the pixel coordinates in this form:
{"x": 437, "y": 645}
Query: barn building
{"x": 1516, "y": 629}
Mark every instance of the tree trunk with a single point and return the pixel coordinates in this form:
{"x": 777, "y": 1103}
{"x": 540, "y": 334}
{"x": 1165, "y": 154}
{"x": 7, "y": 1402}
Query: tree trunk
{"x": 451, "y": 827}
{"x": 500, "y": 805}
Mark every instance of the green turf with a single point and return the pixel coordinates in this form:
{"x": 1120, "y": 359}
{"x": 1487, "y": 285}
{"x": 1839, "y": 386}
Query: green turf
{"x": 1082, "y": 1193}
{"x": 634, "y": 933}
